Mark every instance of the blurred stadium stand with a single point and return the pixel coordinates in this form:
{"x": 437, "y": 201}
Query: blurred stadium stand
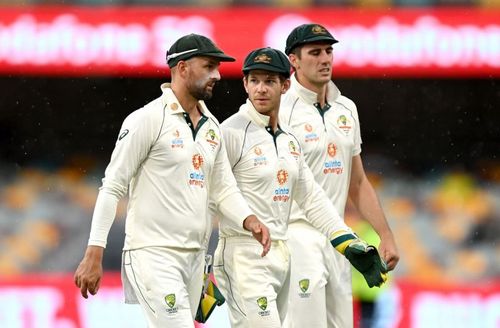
{"x": 446, "y": 229}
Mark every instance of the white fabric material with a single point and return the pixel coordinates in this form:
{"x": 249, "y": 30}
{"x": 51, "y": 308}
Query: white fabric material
{"x": 338, "y": 128}
{"x": 169, "y": 176}
{"x": 244, "y": 277}
{"x": 270, "y": 173}
{"x": 169, "y": 294}
{"x": 327, "y": 302}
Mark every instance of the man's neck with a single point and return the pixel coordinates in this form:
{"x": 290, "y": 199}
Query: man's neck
{"x": 319, "y": 89}
{"x": 187, "y": 101}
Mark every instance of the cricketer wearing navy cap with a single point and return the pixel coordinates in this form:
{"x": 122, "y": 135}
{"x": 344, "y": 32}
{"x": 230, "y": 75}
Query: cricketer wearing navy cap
{"x": 267, "y": 59}
{"x": 307, "y": 33}
{"x": 170, "y": 159}
{"x": 326, "y": 124}
{"x": 194, "y": 45}
{"x": 270, "y": 170}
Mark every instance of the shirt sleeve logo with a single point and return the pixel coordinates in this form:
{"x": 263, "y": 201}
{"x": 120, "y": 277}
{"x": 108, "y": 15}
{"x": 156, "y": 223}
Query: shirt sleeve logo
{"x": 123, "y": 134}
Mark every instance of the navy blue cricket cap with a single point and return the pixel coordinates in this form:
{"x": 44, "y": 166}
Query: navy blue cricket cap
{"x": 307, "y": 33}
{"x": 194, "y": 45}
{"x": 267, "y": 59}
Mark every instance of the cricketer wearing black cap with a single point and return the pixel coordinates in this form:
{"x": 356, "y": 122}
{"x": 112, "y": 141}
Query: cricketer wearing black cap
{"x": 267, "y": 59}
{"x": 307, "y": 33}
{"x": 194, "y": 45}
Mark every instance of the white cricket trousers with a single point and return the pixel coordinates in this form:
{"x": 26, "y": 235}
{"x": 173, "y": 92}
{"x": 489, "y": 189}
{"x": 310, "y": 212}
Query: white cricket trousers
{"x": 166, "y": 282}
{"x": 320, "y": 281}
{"x": 255, "y": 287}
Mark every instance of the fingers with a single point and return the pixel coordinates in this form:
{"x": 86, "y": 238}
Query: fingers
{"x": 391, "y": 260}
{"x": 83, "y": 290}
{"x": 266, "y": 241}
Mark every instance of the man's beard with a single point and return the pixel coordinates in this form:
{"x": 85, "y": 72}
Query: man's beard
{"x": 199, "y": 91}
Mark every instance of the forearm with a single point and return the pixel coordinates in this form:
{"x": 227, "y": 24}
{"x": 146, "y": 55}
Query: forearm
{"x": 368, "y": 205}
{"x": 102, "y": 219}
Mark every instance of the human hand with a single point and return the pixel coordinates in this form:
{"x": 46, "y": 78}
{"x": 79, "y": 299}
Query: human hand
{"x": 259, "y": 232}
{"x": 389, "y": 252}
{"x": 89, "y": 272}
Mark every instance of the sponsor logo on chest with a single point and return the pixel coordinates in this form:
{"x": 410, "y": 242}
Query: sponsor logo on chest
{"x": 332, "y": 165}
{"x": 282, "y": 193}
{"x": 196, "y": 177}
{"x": 212, "y": 139}
{"x": 310, "y": 135}
{"x": 177, "y": 141}
{"x": 344, "y": 124}
{"x": 259, "y": 159}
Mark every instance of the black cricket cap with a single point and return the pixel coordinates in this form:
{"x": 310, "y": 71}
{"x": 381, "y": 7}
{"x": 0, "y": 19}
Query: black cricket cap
{"x": 194, "y": 45}
{"x": 267, "y": 59}
{"x": 307, "y": 33}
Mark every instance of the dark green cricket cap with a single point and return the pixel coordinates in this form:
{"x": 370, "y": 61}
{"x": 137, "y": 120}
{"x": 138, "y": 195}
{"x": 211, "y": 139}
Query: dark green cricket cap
{"x": 267, "y": 59}
{"x": 194, "y": 45}
{"x": 307, "y": 33}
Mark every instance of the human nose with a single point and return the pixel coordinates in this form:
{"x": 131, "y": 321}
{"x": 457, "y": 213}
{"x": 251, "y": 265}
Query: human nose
{"x": 215, "y": 75}
{"x": 261, "y": 88}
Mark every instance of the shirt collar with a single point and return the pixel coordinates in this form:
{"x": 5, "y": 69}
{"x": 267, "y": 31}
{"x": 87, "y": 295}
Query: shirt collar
{"x": 255, "y": 116}
{"x": 311, "y": 97}
{"x": 173, "y": 105}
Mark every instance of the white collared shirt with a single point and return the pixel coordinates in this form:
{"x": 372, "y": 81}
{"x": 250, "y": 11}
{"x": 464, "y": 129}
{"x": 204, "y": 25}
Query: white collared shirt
{"x": 169, "y": 173}
{"x": 329, "y": 142}
{"x": 271, "y": 172}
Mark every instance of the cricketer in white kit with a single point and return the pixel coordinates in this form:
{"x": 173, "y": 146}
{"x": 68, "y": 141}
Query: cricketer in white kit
{"x": 270, "y": 170}
{"x": 170, "y": 157}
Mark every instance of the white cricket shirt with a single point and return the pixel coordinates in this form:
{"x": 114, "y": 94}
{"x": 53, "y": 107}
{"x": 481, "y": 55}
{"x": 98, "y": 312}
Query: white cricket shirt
{"x": 329, "y": 138}
{"x": 271, "y": 172}
{"x": 169, "y": 170}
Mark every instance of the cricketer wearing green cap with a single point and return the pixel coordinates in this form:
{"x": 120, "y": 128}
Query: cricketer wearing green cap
{"x": 270, "y": 170}
{"x": 327, "y": 126}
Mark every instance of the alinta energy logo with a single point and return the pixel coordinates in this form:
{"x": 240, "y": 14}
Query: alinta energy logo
{"x": 304, "y": 286}
{"x": 197, "y": 178}
{"x": 170, "y": 301}
{"x": 177, "y": 141}
{"x": 260, "y": 159}
{"x": 262, "y": 303}
{"x": 344, "y": 124}
{"x": 310, "y": 135}
{"x": 282, "y": 193}
{"x": 332, "y": 166}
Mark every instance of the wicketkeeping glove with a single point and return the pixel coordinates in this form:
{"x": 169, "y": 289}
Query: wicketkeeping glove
{"x": 363, "y": 257}
{"x": 210, "y": 295}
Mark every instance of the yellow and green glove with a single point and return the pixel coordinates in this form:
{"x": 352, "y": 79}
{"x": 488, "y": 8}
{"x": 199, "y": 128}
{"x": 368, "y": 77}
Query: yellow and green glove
{"x": 210, "y": 295}
{"x": 363, "y": 257}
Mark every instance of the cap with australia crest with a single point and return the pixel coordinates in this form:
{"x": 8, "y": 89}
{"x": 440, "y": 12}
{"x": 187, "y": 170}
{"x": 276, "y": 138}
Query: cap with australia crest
{"x": 267, "y": 59}
{"x": 307, "y": 33}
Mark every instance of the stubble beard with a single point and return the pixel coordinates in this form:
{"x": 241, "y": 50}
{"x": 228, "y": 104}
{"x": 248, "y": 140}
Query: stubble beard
{"x": 200, "y": 91}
